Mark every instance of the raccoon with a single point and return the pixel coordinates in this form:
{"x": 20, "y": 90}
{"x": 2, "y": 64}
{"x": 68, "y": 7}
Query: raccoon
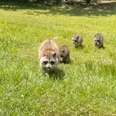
{"x": 49, "y": 55}
{"x": 77, "y": 41}
{"x": 98, "y": 40}
{"x": 64, "y": 54}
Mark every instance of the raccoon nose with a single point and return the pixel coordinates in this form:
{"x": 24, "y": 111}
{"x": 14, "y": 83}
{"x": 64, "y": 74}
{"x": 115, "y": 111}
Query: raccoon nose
{"x": 48, "y": 66}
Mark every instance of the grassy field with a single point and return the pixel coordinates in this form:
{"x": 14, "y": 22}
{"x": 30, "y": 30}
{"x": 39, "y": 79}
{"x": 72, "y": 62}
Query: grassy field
{"x": 86, "y": 87}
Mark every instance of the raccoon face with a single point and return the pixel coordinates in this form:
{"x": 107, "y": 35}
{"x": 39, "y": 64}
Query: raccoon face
{"x": 62, "y": 52}
{"x": 98, "y": 42}
{"x": 49, "y": 63}
{"x": 77, "y": 40}
{"x": 62, "y": 56}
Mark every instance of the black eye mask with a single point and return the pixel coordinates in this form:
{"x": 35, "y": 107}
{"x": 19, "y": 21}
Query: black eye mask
{"x": 98, "y": 41}
{"x": 52, "y": 62}
{"x": 45, "y": 62}
{"x": 75, "y": 40}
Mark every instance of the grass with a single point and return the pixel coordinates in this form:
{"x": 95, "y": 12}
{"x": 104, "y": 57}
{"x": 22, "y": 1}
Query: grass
{"x": 86, "y": 87}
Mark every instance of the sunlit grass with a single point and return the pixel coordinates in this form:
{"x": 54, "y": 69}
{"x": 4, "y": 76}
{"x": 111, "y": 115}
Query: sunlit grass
{"x": 88, "y": 85}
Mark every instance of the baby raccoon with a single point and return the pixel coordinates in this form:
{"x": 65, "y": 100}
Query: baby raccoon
{"x": 64, "y": 54}
{"x": 98, "y": 40}
{"x": 77, "y": 41}
{"x": 49, "y": 55}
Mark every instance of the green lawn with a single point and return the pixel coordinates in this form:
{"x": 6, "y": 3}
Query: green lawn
{"x": 86, "y": 87}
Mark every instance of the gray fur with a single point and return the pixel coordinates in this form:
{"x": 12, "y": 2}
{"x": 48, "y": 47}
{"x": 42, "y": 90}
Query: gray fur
{"x": 77, "y": 41}
{"x": 99, "y": 40}
{"x": 64, "y": 54}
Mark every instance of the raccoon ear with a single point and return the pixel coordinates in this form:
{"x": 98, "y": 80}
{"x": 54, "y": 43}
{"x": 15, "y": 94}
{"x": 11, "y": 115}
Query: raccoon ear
{"x": 44, "y": 54}
{"x": 63, "y": 51}
{"x": 54, "y": 54}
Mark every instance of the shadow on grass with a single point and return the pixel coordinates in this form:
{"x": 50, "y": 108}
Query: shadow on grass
{"x": 58, "y": 74}
{"x": 104, "y": 9}
{"x": 80, "y": 47}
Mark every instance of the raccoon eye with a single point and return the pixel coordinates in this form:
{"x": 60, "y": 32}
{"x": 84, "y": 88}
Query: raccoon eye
{"x": 61, "y": 56}
{"x": 63, "y": 51}
{"x": 54, "y": 54}
{"x": 45, "y": 62}
{"x": 52, "y": 62}
{"x": 75, "y": 40}
{"x": 97, "y": 40}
